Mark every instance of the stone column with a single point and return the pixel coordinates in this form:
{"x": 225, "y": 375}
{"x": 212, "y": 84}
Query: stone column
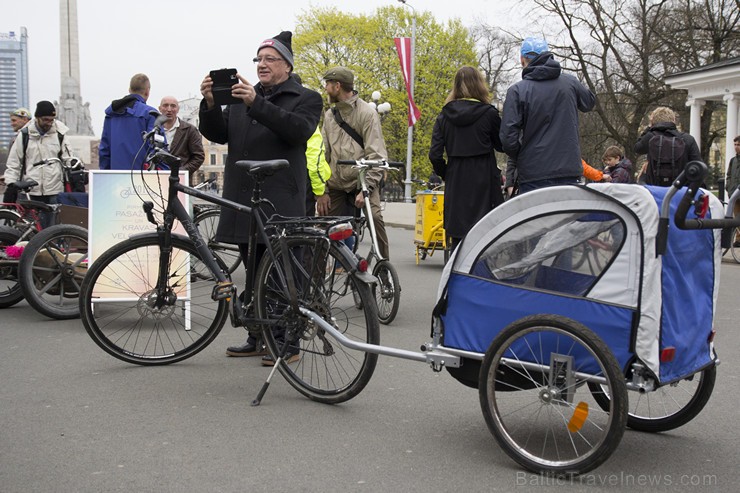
{"x": 695, "y": 122}
{"x": 69, "y": 44}
{"x": 733, "y": 130}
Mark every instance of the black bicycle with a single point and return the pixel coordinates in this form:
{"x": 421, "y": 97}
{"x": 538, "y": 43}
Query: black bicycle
{"x": 159, "y": 297}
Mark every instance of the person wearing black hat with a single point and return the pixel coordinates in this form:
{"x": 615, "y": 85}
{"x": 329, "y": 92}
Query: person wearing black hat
{"x": 46, "y": 140}
{"x": 274, "y": 120}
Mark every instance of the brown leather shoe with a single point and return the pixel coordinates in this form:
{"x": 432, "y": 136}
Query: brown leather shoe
{"x": 289, "y": 358}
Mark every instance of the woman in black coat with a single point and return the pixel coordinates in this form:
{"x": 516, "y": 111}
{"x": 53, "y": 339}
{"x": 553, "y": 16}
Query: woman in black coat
{"x": 467, "y": 130}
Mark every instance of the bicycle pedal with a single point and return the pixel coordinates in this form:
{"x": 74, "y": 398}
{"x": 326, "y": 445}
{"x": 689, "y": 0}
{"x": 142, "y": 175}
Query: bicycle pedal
{"x": 223, "y": 291}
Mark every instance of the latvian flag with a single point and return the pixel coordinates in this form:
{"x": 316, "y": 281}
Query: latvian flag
{"x": 403, "y": 46}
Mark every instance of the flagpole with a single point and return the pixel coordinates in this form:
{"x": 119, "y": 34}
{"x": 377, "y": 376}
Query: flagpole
{"x": 410, "y": 138}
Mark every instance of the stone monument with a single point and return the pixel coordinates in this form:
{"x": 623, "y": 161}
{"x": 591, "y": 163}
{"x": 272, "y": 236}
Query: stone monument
{"x": 70, "y": 108}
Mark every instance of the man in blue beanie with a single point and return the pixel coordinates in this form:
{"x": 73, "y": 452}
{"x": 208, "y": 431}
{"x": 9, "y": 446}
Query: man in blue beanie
{"x": 539, "y": 128}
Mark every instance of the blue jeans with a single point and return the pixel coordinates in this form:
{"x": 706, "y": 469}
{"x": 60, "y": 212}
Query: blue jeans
{"x": 46, "y": 218}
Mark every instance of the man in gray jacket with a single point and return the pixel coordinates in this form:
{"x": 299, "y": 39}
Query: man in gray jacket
{"x": 539, "y": 129}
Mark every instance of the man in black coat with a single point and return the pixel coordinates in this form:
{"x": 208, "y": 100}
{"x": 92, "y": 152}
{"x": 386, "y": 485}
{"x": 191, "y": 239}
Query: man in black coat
{"x": 539, "y": 128}
{"x": 275, "y": 121}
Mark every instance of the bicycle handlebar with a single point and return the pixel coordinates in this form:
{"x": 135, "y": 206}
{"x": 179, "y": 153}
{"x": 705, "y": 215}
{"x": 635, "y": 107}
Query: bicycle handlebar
{"x": 372, "y": 163}
{"x": 692, "y": 176}
{"x": 431, "y": 186}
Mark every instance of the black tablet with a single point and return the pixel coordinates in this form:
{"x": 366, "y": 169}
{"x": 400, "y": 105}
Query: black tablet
{"x": 223, "y": 79}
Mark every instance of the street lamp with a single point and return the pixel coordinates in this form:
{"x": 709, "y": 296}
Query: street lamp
{"x": 410, "y": 138}
{"x": 382, "y": 108}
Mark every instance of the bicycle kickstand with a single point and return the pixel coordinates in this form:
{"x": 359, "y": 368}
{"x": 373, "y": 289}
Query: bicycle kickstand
{"x": 284, "y": 349}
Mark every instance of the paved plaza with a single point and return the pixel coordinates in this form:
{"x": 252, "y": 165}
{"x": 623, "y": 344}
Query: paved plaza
{"x": 75, "y": 419}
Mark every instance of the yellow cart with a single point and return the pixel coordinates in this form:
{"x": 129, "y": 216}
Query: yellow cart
{"x": 429, "y": 233}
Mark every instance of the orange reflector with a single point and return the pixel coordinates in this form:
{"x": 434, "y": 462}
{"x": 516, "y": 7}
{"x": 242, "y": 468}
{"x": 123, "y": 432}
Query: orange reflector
{"x": 667, "y": 355}
{"x": 340, "y": 232}
{"x": 580, "y": 413}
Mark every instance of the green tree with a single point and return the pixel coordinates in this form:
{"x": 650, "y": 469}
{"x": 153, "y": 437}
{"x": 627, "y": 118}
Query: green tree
{"x": 364, "y": 43}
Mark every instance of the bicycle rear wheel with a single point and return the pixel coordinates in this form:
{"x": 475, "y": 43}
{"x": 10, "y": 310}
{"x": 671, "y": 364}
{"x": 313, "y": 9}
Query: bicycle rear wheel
{"x": 387, "y": 291}
{"x": 120, "y": 309}
{"x": 326, "y": 371}
{"x": 10, "y": 287}
{"x": 52, "y": 267}
{"x": 207, "y": 224}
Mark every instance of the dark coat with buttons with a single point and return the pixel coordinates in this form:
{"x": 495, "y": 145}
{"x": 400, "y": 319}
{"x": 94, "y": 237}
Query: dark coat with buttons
{"x": 276, "y": 126}
{"x": 468, "y": 132}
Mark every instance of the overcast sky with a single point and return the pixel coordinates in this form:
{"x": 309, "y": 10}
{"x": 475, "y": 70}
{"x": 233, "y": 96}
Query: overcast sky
{"x": 176, "y": 42}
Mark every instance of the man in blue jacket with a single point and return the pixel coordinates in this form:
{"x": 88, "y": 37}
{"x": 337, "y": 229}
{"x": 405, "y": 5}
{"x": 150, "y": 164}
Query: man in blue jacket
{"x": 539, "y": 129}
{"x": 125, "y": 121}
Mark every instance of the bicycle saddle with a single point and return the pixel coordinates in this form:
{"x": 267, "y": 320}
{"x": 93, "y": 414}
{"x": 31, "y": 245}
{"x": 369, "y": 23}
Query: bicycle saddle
{"x": 262, "y": 169}
{"x": 25, "y": 185}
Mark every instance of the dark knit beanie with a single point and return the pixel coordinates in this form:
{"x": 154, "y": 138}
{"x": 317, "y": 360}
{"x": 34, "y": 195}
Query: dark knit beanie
{"x": 45, "y": 108}
{"x": 282, "y": 44}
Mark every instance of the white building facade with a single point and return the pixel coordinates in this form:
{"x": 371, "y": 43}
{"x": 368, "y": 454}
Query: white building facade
{"x": 719, "y": 81}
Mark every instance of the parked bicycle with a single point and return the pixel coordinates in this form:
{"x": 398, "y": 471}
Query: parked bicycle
{"x": 158, "y": 298}
{"x": 388, "y": 289}
{"x": 43, "y": 265}
{"x": 25, "y": 214}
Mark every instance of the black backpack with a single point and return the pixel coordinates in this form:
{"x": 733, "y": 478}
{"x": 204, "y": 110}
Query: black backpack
{"x": 667, "y": 156}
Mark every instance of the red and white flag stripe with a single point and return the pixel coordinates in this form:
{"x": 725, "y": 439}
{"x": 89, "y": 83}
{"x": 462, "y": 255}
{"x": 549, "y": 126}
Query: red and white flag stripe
{"x": 403, "y": 47}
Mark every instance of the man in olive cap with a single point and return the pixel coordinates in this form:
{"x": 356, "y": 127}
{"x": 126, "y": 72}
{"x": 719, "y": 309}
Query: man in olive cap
{"x": 363, "y": 140}
{"x": 18, "y": 119}
{"x": 274, "y": 120}
{"x": 539, "y": 127}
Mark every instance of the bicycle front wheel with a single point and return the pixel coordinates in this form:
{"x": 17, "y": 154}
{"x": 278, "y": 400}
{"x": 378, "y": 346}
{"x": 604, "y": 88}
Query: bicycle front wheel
{"x": 52, "y": 267}
{"x": 321, "y": 369}
{"x": 125, "y": 316}
{"x": 387, "y": 291}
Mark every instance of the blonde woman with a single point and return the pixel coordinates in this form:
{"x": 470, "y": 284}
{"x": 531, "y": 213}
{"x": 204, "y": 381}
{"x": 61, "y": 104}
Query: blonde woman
{"x": 467, "y": 132}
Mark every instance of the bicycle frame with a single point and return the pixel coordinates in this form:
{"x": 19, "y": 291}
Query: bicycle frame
{"x": 374, "y": 248}
{"x": 363, "y": 167}
{"x": 175, "y": 210}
